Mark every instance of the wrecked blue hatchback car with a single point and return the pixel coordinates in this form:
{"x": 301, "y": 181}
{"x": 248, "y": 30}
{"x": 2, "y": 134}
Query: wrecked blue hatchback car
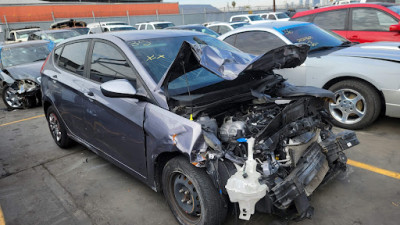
{"x": 197, "y": 119}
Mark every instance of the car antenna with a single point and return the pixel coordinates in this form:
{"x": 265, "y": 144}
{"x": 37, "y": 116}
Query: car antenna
{"x": 188, "y": 88}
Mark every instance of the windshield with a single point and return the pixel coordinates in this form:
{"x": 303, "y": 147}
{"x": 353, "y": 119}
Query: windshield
{"x": 157, "y": 55}
{"x": 309, "y": 34}
{"x": 238, "y": 25}
{"x": 59, "y": 36}
{"x": 121, "y": 28}
{"x": 83, "y": 30}
{"x": 395, "y": 8}
{"x": 282, "y": 16}
{"x": 255, "y": 18}
{"x": 163, "y": 25}
{"x": 12, "y": 56}
{"x": 24, "y": 34}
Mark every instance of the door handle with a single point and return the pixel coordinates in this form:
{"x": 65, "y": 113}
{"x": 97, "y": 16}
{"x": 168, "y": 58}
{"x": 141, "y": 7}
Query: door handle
{"x": 90, "y": 95}
{"x": 54, "y": 78}
{"x": 354, "y": 37}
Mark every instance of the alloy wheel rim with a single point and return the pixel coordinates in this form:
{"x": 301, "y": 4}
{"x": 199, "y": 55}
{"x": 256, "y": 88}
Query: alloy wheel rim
{"x": 55, "y": 127}
{"x": 350, "y": 106}
{"x": 12, "y": 98}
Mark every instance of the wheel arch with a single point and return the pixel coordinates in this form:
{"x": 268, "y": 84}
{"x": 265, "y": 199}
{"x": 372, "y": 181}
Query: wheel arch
{"x": 159, "y": 164}
{"x": 331, "y": 82}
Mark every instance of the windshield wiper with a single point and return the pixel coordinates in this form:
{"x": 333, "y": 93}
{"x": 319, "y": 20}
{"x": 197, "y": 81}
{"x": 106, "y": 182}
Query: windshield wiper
{"x": 322, "y": 48}
{"x": 346, "y": 44}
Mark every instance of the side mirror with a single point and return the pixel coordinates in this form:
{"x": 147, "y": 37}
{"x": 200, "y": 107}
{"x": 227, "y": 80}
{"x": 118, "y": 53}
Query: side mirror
{"x": 119, "y": 88}
{"x": 395, "y": 27}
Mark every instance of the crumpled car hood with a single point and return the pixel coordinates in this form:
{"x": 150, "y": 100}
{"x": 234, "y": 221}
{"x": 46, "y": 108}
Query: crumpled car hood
{"x": 27, "y": 71}
{"x": 376, "y": 50}
{"x": 229, "y": 65}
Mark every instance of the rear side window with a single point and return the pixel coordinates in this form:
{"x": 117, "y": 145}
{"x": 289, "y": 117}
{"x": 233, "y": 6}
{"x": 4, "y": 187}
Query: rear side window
{"x": 73, "y": 57}
{"x": 307, "y": 18}
{"x": 224, "y": 29}
{"x": 238, "y": 19}
{"x": 331, "y": 20}
{"x": 57, "y": 53}
{"x": 257, "y": 42}
{"x": 214, "y": 28}
{"x": 271, "y": 17}
{"x": 231, "y": 40}
{"x": 108, "y": 64}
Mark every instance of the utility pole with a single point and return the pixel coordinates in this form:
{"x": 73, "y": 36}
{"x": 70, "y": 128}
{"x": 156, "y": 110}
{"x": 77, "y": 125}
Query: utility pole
{"x": 274, "y": 6}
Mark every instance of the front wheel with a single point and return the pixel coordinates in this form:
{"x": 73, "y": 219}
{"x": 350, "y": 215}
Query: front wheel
{"x": 191, "y": 195}
{"x": 357, "y": 104}
{"x": 11, "y": 98}
{"x": 57, "y": 128}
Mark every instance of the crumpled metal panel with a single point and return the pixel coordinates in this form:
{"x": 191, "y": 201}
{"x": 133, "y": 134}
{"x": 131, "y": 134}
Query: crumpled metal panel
{"x": 229, "y": 65}
{"x": 168, "y": 131}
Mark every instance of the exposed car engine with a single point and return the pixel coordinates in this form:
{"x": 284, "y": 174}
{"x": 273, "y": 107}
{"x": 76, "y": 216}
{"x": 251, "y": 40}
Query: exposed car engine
{"x": 294, "y": 152}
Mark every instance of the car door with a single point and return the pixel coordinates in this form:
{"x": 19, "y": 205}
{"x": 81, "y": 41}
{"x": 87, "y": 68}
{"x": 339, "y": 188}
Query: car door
{"x": 260, "y": 42}
{"x": 66, "y": 84}
{"x": 335, "y": 20}
{"x": 115, "y": 124}
{"x": 369, "y": 25}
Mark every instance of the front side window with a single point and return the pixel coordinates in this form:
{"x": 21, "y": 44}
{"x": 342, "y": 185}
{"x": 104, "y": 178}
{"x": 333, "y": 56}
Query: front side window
{"x": 149, "y": 27}
{"x": 331, "y": 20}
{"x": 271, "y": 17}
{"x": 282, "y": 16}
{"x": 257, "y": 42}
{"x": 108, "y": 64}
{"x": 214, "y": 28}
{"x": 73, "y": 57}
{"x": 163, "y": 25}
{"x": 255, "y": 18}
{"x": 368, "y": 19}
{"x": 238, "y": 19}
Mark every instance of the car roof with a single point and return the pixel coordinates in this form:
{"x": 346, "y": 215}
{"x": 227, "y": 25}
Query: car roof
{"x": 334, "y": 7}
{"x": 136, "y": 35}
{"x": 18, "y": 44}
{"x": 274, "y": 24}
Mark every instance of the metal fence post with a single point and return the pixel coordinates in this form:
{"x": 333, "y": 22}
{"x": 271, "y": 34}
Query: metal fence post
{"x": 94, "y": 18}
{"x": 52, "y": 15}
{"x": 183, "y": 18}
{"x": 205, "y": 15}
{"x": 5, "y": 20}
{"x": 127, "y": 15}
{"x": 158, "y": 19}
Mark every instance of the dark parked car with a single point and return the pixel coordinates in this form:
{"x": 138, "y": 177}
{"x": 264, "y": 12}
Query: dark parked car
{"x": 193, "y": 117}
{"x": 365, "y": 22}
{"x": 20, "y": 72}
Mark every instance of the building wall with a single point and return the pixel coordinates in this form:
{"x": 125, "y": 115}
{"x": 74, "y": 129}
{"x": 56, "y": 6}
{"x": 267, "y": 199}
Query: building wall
{"x": 29, "y": 13}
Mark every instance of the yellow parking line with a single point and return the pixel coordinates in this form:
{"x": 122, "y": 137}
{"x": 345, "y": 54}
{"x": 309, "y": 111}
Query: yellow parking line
{"x": 30, "y": 118}
{"x": 2, "y": 221}
{"x": 374, "y": 169}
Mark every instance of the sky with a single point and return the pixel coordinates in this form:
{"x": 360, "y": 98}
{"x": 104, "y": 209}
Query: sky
{"x": 223, "y": 3}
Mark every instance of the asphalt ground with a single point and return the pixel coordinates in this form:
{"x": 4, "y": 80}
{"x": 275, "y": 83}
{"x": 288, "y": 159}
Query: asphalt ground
{"x": 43, "y": 184}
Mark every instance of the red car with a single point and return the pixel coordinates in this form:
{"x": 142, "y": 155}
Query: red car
{"x": 357, "y": 22}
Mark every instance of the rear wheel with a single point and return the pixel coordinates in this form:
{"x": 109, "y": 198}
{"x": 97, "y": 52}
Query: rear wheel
{"x": 11, "y": 98}
{"x": 357, "y": 104}
{"x": 57, "y": 128}
{"x": 191, "y": 195}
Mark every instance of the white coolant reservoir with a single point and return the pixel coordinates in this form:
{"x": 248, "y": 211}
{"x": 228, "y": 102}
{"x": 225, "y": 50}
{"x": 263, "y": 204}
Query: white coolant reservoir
{"x": 243, "y": 187}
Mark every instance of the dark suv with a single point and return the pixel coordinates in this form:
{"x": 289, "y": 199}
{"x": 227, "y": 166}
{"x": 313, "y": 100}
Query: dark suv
{"x": 193, "y": 117}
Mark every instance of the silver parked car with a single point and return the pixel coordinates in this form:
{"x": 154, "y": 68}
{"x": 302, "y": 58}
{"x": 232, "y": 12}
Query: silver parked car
{"x": 364, "y": 77}
{"x": 197, "y": 119}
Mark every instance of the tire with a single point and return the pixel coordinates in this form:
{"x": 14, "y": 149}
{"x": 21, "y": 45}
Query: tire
{"x": 182, "y": 182}
{"x": 10, "y": 98}
{"x": 57, "y": 128}
{"x": 357, "y": 105}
